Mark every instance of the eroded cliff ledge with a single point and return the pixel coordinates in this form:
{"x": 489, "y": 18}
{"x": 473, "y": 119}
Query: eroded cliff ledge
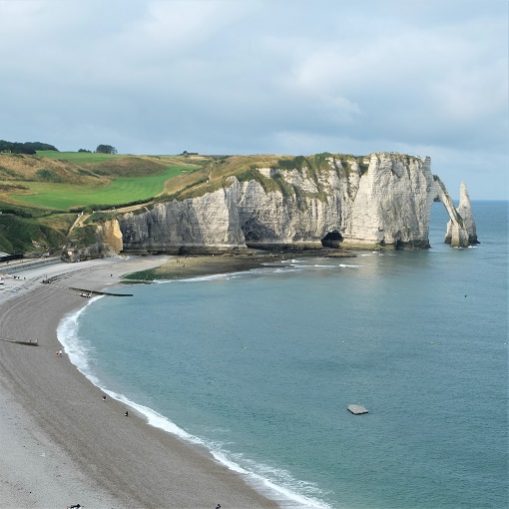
{"x": 383, "y": 199}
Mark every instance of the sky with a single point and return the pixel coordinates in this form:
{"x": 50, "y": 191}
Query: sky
{"x": 257, "y": 76}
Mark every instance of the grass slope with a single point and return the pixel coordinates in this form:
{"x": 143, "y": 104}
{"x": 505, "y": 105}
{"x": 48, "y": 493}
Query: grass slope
{"x": 20, "y": 235}
{"x": 62, "y": 196}
{"x": 76, "y": 157}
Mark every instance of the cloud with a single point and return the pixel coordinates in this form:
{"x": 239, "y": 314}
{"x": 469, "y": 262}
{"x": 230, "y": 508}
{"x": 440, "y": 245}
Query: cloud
{"x": 257, "y": 76}
{"x": 434, "y": 76}
{"x": 167, "y": 24}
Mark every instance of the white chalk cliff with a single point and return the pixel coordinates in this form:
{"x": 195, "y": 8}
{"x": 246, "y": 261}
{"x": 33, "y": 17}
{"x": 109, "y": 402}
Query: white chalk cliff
{"x": 468, "y": 226}
{"x": 383, "y": 199}
{"x": 461, "y": 229}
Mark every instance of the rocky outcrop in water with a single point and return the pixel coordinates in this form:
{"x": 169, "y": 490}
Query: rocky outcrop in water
{"x": 461, "y": 230}
{"x": 465, "y": 212}
{"x": 383, "y": 199}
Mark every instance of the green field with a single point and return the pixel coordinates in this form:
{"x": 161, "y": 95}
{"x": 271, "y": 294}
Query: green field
{"x": 119, "y": 191}
{"x": 76, "y": 157}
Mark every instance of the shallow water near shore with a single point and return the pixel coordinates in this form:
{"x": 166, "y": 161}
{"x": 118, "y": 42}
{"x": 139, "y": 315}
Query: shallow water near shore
{"x": 259, "y": 366}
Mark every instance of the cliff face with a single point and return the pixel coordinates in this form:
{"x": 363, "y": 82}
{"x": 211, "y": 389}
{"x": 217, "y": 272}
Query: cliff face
{"x": 387, "y": 201}
{"x": 208, "y": 221}
{"x": 392, "y": 203}
{"x": 381, "y": 199}
{"x": 94, "y": 241}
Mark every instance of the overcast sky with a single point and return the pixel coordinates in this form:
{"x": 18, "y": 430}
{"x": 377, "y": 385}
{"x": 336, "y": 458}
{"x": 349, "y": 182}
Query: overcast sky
{"x": 294, "y": 77}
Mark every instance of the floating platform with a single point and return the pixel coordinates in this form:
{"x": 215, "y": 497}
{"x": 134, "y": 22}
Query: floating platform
{"x": 357, "y": 409}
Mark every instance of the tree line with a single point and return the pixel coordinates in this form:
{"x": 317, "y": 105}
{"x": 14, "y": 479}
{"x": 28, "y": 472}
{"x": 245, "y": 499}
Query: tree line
{"x": 101, "y": 149}
{"x": 29, "y": 147}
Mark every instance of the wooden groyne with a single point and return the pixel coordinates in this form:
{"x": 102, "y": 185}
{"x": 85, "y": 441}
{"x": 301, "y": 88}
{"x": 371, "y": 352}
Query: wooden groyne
{"x": 90, "y": 293}
{"x": 27, "y": 342}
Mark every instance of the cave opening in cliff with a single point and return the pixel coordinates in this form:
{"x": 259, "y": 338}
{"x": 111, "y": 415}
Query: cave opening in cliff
{"x": 332, "y": 239}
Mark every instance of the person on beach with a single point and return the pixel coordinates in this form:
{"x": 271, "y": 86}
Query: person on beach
{"x": 104, "y": 397}
{"x": 59, "y": 353}
{"x": 126, "y": 413}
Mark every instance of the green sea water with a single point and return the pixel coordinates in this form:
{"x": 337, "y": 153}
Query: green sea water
{"x": 260, "y": 367}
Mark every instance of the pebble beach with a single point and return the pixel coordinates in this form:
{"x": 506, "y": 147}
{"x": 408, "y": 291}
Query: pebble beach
{"x": 63, "y": 444}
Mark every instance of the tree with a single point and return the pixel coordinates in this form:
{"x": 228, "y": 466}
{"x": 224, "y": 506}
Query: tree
{"x": 29, "y": 147}
{"x": 105, "y": 149}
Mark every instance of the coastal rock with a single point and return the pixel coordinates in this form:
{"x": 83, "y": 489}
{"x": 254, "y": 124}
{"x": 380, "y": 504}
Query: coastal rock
{"x": 461, "y": 230}
{"x": 392, "y": 203}
{"x": 383, "y": 199}
{"x": 208, "y": 221}
{"x": 465, "y": 211}
{"x": 99, "y": 241}
{"x": 388, "y": 204}
{"x": 111, "y": 235}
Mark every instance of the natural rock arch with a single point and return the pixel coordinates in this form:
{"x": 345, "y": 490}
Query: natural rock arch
{"x": 461, "y": 229}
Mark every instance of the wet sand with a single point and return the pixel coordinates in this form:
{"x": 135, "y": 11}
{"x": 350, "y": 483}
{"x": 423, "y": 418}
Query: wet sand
{"x": 62, "y": 443}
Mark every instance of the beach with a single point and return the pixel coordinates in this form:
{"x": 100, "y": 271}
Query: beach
{"x": 62, "y": 443}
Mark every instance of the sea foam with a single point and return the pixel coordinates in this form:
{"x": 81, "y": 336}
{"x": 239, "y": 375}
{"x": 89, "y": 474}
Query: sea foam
{"x": 77, "y": 351}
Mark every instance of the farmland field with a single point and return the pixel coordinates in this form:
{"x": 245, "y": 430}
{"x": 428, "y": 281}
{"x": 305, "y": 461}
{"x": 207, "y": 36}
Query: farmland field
{"x": 118, "y": 191}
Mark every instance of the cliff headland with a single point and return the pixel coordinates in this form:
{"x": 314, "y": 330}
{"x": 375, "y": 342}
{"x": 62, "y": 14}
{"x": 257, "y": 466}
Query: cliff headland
{"x": 215, "y": 204}
{"x": 381, "y": 200}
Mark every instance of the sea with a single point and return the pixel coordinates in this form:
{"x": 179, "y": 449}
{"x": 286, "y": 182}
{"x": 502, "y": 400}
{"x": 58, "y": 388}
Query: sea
{"x": 260, "y": 366}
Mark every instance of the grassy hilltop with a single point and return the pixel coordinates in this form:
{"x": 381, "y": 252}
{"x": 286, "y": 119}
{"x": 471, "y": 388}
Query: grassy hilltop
{"x": 62, "y": 181}
{"x": 42, "y": 195}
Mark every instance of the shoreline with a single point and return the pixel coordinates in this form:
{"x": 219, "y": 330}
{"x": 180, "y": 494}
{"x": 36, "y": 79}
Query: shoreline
{"x": 66, "y": 444}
